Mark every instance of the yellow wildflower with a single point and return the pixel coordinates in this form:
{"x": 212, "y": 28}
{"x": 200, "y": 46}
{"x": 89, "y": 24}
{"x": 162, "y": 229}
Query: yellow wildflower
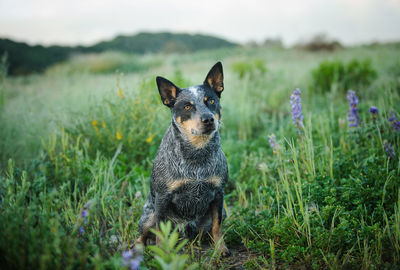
{"x": 94, "y": 124}
{"x": 120, "y": 93}
{"x": 119, "y": 135}
{"x": 149, "y": 139}
{"x": 103, "y": 124}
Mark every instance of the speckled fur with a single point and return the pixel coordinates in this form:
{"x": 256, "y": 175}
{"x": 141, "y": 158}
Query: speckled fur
{"x": 188, "y": 179}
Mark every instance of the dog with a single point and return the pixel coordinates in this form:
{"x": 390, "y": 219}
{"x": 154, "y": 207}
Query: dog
{"x": 190, "y": 170}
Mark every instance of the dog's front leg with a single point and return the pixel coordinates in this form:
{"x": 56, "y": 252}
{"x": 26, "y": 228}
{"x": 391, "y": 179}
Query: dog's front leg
{"x": 216, "y": 230}
{"x": 161, "y": 206}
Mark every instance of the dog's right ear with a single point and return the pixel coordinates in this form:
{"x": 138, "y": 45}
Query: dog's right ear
{"x": 168, "y": 91}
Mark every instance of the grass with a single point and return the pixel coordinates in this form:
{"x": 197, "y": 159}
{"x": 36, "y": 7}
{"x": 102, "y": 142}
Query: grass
{"x": 324, "y": 198}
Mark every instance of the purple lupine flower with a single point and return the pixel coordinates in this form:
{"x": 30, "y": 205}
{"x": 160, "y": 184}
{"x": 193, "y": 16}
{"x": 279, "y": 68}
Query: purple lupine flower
{"x": 352, "y": 115}
{"x": 85, "y": 213}
{"x": 135, "y": 263}
{"x": 273, "y": 143}
{"x": 126, "y": 255}
{"x": 388, "y": 149}
{"x": 272, "y": 140}
{"x": 132, "y": 259}
{"x": 295, "y": 103}
{"x": 395, "y": 123}
{"x": 84, "y": 217}
{"x": 374, "y": 112}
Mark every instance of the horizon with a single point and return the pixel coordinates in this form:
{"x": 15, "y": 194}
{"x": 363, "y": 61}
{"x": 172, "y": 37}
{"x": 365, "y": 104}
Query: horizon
{"x": 85, "y": 23}
{"x": 107, "y": 39}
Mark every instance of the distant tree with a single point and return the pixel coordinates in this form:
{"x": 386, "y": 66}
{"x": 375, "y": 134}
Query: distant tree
{"x": 320, "y": 42}
{"x": 24, "y": 59}
{"x": 273, "y": 43}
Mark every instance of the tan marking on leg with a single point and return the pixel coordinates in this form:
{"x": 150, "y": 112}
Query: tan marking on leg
{"x": 216, "y": 231}
{"x": 215, "y": 180}
{"x": 146, "y": 227}
{"x": 175, "y": 184}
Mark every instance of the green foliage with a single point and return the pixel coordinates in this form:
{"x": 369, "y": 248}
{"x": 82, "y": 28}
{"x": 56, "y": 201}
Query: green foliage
{"x": 335, "y": 74}
{"x": 167, "y": 255}
{"x": 325, "y": 199}
{"x": 326, "y": 213}
{"x": 251, "y": 69}
{"x": 40, "y": 219}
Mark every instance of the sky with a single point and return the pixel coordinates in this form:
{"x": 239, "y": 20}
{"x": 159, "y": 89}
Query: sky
{"x": 86, "y": 22}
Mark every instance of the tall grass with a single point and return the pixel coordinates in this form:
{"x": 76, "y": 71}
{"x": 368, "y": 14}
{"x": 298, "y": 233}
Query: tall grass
{"x": 77, "y": 149}
{"x": 3, "y": 75}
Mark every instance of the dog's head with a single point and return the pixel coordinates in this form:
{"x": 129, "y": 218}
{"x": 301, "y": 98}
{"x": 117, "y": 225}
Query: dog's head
{"x": 196, "y": 110}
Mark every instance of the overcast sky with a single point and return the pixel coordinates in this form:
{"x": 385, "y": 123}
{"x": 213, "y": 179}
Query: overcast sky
{"x": 88, "y": 21}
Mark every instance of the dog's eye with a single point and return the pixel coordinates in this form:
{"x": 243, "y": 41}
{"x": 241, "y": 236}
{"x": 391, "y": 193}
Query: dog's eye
{"x": 211, "y": 101}
{"x": 187, "y": 107}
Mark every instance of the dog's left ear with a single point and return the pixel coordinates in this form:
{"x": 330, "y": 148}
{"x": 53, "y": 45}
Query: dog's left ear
{"x": 215, "y": 79}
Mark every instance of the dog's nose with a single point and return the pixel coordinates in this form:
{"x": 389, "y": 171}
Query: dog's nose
{"x": 207, "y": 119}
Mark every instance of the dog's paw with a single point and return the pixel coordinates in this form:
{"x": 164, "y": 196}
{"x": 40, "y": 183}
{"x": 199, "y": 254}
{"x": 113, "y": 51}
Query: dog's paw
{"x": 224, "y": 251}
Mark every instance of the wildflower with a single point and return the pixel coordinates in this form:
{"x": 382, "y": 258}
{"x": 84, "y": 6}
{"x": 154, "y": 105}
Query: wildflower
{"x": 103, "y": 124}
{"x": 149, "y": 139}
{"x": 295, "y": 102}
{"x": 273, "y": 143}
{"x": 352, "y": 114}
{"x": 94, "y": 125}
{"x": 119, "y": 135}
{"x": 132, "y": 259}
{"x": 138, "y": 194}
{"x": 84, "y": 217}
{"x": 262, "y": 167}
{"x": 388, "y": 149}
{"x": 374, "y": 112}
{"x": 120, "y": 93}
{"x": 395, "y": 123}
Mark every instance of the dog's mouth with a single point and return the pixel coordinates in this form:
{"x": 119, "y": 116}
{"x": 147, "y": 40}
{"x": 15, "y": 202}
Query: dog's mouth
{"x": 206, "y": 130}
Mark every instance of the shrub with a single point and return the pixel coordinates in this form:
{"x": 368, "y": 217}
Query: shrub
{"x": 354, "y": 74}
{"x": 251, "y": 69}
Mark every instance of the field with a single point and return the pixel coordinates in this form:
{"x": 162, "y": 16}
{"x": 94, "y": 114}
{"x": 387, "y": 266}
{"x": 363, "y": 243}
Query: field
{"x": 77, "y": 145}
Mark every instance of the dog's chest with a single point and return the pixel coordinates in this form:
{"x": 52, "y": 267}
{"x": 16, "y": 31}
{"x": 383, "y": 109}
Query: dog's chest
{"x": 191, "y": 198}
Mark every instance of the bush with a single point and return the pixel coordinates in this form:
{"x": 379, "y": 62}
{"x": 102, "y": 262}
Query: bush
{"x": 251, "y": 69}
{"x": 354, "y": 74}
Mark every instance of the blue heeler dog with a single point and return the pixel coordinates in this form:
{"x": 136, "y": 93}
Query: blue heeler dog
{"x": 190, "y": 170}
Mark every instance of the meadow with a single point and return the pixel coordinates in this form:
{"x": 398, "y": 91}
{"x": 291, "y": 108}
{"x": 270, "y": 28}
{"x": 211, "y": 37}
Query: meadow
{"x": 314, "y": 174}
